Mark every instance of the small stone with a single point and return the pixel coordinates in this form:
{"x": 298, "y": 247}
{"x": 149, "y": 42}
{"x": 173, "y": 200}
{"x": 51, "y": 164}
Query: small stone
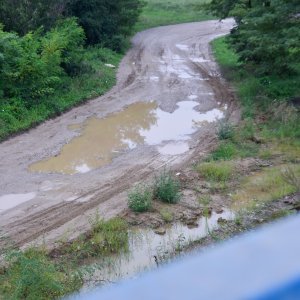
{"x": 160, "y": 231}
{"x": 178, "y": 174}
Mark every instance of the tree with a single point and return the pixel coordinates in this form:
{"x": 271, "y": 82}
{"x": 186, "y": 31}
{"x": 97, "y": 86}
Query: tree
{"x": 267, "y": 34}
{"x": 106, "y": 21}
{"x": 23, "y": 16}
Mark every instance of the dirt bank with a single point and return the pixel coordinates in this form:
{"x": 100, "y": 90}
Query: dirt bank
{"x": 167, "y": 65}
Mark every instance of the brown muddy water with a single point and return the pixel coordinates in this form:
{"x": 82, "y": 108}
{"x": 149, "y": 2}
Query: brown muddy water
{"x": 101, "y": 140}
{"x": 145, "y": 245}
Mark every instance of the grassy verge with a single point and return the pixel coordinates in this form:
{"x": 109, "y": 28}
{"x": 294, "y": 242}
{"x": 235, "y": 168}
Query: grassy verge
{"x": 269, "y": 130}
{"x": 158, "y": 13}
{"x": 37, "y": 274}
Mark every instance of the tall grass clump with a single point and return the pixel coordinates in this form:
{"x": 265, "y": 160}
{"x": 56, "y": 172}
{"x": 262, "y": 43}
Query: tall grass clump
{"x": 140, "y": 198}
{"x": 166, "y": 187}
{"x": 220, "y": 171}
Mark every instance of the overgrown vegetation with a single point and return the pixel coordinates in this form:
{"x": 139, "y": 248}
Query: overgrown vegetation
{"x": 46, "y": 65}
{"x": 267, "y": 35}
{"x": 37, "y": 274}
{"x": 271, "y": 184}
{"x": 32, "y": 275}
{"x": 220, "y": 171}
{"x": 166, "y": 188}
{"x": 140, "y": 198}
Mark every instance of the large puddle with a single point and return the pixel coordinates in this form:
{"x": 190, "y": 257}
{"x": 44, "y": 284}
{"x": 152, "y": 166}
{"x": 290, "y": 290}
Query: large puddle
{"x": 13, "y": 200}
{"x": 148, "y": 249}
{"x": 101, "y": 140}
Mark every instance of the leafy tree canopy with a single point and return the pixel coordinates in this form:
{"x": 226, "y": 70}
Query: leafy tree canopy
{"x": 267, "y": 36}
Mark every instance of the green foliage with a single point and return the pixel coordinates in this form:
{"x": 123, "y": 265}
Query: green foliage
{"x": 267, "y": 33}
{"x": 225, "y": 151}
{"x": 106, "y": 22}
{"x": 166, "y": 215}
{"x": 220, "y": 171}
{"x": 23, "y": 16}
{"x": 265, "y": 98}
{"x": 225, "y": 130}
{"x": 140, "y": 198}
{"x": 167, "y": 187}
{"x": 31, "y": 66}
{"x": 31, "y": 275}
{"x": 105, "y": 238}
{"x": 109, "y": 236}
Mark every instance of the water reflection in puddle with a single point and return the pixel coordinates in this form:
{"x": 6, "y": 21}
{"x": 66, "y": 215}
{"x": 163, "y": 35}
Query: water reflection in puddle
{"x": 13, "y": 200}
{"x": 144, "y": 244}
{"x": 141, "y": 123}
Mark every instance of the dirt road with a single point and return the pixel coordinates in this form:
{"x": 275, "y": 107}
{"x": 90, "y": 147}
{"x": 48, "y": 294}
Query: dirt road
{"x": 168, "y": 65}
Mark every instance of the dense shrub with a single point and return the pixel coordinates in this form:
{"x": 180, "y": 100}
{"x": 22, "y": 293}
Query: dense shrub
{"x": 106, "y": 21}
{"x": 31, "y": 66}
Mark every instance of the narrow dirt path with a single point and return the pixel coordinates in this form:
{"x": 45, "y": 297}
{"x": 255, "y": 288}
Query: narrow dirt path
{"x": 166, "y": 65}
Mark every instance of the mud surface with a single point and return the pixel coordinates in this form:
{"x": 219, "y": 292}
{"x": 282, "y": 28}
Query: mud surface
{"x": 166, "y": 66}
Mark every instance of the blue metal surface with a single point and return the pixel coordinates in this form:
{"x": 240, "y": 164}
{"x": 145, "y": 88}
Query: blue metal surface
{"x": 260, "y": 265}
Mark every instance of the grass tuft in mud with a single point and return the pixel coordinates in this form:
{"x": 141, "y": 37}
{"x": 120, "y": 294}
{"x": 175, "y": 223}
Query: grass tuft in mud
{"x": 166, "y": 215}
{"x": 140, "y": 198}
{"x": 167, "y": 188}
{"x": 220, "y": 171}
{"x": 105, "y": 237}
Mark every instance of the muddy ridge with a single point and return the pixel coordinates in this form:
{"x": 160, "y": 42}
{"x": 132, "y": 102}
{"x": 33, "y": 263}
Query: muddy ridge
{"x": 57, "y": 179}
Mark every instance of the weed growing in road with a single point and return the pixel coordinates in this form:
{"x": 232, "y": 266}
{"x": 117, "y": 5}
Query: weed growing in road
{"x": 166, "y": 215}
{"x": 166, "y": 188}
{"x": 140, "y": 198}
{"x": 220, "y": 171}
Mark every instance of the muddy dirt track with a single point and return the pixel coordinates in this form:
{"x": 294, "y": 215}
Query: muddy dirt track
{"x": 167, "y": 65}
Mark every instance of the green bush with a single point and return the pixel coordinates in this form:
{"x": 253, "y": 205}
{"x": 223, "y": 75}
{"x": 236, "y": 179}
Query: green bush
{"x": 140, "y": 198}
{"x": 167, "y": 188}
{"x": 225, "y": 131}
{"x": 225, "y": 151}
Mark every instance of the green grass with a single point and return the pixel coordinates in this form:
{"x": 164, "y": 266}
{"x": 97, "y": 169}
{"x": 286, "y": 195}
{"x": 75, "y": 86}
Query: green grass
{"x": 37, "y": 274}
{"x": 166, "y": 188}
{"x": 140, "y": 198}
{"x": 166, "y": 215}
{"x": 268, "y": 185}
{"x": 159, "y": 12}
{"x": 220, "y": 171}
{"x": 32, "y": 275}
